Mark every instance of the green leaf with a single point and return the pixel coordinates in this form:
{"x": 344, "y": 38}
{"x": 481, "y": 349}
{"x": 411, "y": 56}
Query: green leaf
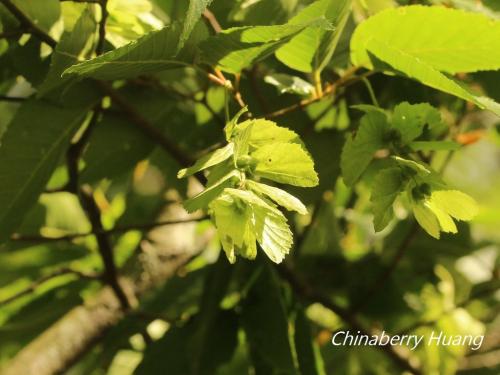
{"x": 279, "y": 196}
{"x": 233, "y": 222}
{"x": 230, "y": 126}
{"x": 427, "y": 220}
{"x": 30, "y": 150}
{"x": 287, "y": 163}
{"x": 309, "y": 363}
{"x": 195, "y": 10}
{"x": 234, "y": 49}
{"x": 465, "y": 42}
{"x": 383, "y": 38}
{"x": 209, "y": 160}
{"x": 455, "y": 203}
{"x": 435, "y": 146}
{"x": 72, "y": 46}
{"x": 386, "y": 186}
{"x": 265, "y": 132}
{"x": 203, "y": 199}
{"x": 312, "y": 49}
{"x": 153, "y": 52}
{"x": 265, "y": 322}
{"x": 410, "y": 119}
{"x": 286, "y": 83}
{"x": 242, "y": 142}
{"x": 268, "y": 225}
{"x": 359, "y": 150}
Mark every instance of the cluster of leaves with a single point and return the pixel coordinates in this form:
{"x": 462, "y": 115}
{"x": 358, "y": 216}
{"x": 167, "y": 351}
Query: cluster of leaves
{"x": 405, "y": 131}
{"x": 242, "y": 207}
{"x": 115, "y": 102}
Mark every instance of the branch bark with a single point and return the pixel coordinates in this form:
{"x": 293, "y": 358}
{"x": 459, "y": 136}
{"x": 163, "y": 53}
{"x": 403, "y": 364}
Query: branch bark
{"x": 55, "y": 350}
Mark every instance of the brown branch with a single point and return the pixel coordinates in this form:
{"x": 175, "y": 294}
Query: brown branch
{"x": 306, "y": 292}
{"x": 346, "y": 79}
{"x": 105, "y": 249}
{"x": 379, "y": 284}
{"x": 146, "y": 127}
{"x": 36, "y": 284}
{"x": 28, "y": 24}
{"x": 102, "y": 27}
{"x": 212, "y": 20}
{"x": 115, "y": 230}
{"x": 14, "y": 99}
{"x": 73, "y": 335}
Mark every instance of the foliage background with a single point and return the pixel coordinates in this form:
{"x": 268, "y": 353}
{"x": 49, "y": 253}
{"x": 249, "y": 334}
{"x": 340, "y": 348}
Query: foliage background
{"x": 182, "y": 308}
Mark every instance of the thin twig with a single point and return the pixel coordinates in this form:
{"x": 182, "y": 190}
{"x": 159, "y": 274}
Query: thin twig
{"x": 304, "y": 290}
{"x": 14, "y": 99}
{"x": 212, "y": 20}
{"x": 102, "y": 27}
{"x": 61, "y": 272}
{"x": 379, "y": 284}
{"x": 105, "y": 249}
{"x": 116, "y": 230}
{"x": 28, "y": 24}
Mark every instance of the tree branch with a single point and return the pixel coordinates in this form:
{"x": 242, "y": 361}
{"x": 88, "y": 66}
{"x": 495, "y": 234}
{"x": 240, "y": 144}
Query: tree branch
{"x": 36, "y": 284}
{"x": 14, "y": 99}
{"x": 102, "y": 27}
{"x": 104, "y": 245}
{"x": 115, "y": 230}
{"x": 67, "y": 340}
{"x": 306, "y": 292}
{"x": 28, "y": 24}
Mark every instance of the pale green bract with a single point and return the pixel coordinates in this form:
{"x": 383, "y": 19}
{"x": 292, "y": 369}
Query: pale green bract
{"x": 241, "y": 207}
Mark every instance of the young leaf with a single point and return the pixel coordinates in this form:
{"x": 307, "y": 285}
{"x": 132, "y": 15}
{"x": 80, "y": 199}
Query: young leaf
{"x": 266, "y": 132}
{"x": 287, "y": 163}
{"x": 203, "y": 199}
{"x": 313, "y": 48}
{"x": 386, "y": 186}
{"x": 427, "y": 220}
{"x": 410, "y": 119}
{"x": 233, "y": 222}
{"x": 279, "y": 196}
{"x": 209, "y": 160}
{"x": 445, "y": 221}
{"x": 455, "y": 203}
{"x": 358, "y": 151}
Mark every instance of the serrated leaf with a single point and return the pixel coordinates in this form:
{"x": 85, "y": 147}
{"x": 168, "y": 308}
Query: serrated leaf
{"x": 386, "y": 186}
{"x": 427, "y": 220}
{"x": 195, "y": 10}
{"x": 279, "y": 196}
{"x": 287, "y": 163}
{"x": 230, "y": 126}
{"x": 234, "y": 49}
{"x": 233, "y": 222}
{"x": 383, "y": 38}
{"x": 455, "y": 203}
{"x": 209, "y": 160}
{"x": 446, "y": 39}
{"x": 242, "y": 142}
{"x": 265, "y": 132}
{"x": 286, "y": 83}
{"x": 203, "y": 199}
{"x": 153, "y": 52}
{"x": 359, "y": 150}
{"x": 434, "y": 146}
{"x": 269, "y": 225}
{"x": 30, "y": 149}
{"x": 410, "y": 119}
{"x": 313, "y": 48}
